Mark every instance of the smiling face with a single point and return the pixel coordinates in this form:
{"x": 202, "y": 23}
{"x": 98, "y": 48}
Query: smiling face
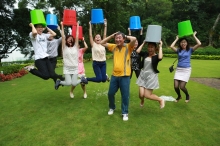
{"x": 39, "y": 28}
{"x": 136, "y": 44}
{"x": 151, "y": 47}
{"x": 69, "y": 41}
{"x": 97, "y": 39}
{"x": 119, "y": 39}
{"x": 183, "y": 44}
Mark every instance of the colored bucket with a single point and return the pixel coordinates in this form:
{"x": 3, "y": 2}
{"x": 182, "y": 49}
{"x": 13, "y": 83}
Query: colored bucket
{"x": 51, "y": 20}
{"x": 97, "y": 16}
{"x": 69, "y": 17}
{"x": 80, "y": 32}
{"x": 153, "y": 33}
{"x": 37, "y": 17}
{"x": 135, "y": 23}
{"x": 184, "y": 28}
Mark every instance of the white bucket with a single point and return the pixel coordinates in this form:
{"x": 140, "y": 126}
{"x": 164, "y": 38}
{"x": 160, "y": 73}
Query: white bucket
{"x": 153, "y": 33}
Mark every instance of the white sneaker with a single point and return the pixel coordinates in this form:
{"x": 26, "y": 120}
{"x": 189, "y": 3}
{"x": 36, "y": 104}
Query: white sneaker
{"x": 125, "y": 117}
{"x": 71, "y": 95}
{"x": 85, "y": 95}
{"x": 110, "y": 112}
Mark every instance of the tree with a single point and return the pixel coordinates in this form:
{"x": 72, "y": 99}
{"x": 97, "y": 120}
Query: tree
{"x": 8, "y": 42}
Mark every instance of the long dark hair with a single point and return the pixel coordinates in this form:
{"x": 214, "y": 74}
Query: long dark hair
{"x": 187, "y": 46}
{"x": 73, "y": 42}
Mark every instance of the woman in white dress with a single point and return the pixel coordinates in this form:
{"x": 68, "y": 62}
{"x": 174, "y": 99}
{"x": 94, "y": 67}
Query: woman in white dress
{"x": 70, "y": 47}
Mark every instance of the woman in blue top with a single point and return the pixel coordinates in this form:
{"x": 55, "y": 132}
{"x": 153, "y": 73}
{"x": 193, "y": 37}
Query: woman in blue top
{"x": 183, "y": 70}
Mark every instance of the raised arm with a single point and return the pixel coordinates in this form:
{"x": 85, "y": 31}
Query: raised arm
{"x": 172, "y": 46}
{"x": 34, "y": 31}
{"x": 132, "y": 40}
{"x": 85, "y": 45}
{"x": 90, "y": 34}
{"x": 104, "y": 41}
{"x": 129, "y": 31}
{"x": 77, "y": 35}
{"x": 140, "y": 47}
{"x": 160, "y": 53}
{"x": 62, "y": 35}
{"x": 197, "y": 41}
{"x": 52, "y": 33}
{"x": 105, "y": 28}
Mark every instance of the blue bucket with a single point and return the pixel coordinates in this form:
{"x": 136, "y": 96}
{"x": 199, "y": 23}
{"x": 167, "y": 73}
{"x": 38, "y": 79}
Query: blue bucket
{"x": 51, "y": 20}
{"x": 97, "y": 16}
{"x": 153, "y": 33}
{"x": 135, "y": 23}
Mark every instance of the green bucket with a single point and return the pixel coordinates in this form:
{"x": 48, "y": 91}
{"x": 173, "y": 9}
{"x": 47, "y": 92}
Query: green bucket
{"x": 184, "y": 28}
{"x": 37, "y": 17}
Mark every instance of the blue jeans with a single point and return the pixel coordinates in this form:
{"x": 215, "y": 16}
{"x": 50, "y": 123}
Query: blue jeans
{"x": 99, "y": 68}
{"x": 124, "y": 84}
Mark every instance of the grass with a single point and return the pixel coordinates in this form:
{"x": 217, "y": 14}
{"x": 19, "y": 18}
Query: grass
{"x": 32, "y": 112}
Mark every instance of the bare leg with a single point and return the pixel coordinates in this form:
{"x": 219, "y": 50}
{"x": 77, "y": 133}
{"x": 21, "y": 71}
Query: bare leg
{"x": 149, "y": 94}
{"x": 141, "y": 95}
{"x": 84, "y": 90}
{"x": 71, "y": 91}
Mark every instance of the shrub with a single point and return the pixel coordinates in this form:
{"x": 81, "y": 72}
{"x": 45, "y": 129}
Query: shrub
{"x": 9, "y": 77}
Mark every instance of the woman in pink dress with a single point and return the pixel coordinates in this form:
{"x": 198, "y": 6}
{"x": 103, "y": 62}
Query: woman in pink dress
{"x": 81, "y": 69}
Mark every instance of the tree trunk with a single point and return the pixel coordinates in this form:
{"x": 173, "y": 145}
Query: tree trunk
{"x": 212, "y": 31}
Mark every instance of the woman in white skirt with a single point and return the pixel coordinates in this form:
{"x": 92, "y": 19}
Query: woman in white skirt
{"x": 70, "y": 48}
{"x": 183, "y": 70}
{"x": 148, "y": 78}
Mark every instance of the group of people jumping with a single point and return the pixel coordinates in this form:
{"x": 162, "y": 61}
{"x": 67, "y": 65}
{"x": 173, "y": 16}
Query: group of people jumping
{"x": 128, "y": 57}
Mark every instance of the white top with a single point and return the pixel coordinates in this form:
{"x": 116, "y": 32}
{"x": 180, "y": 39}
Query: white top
{"x": 40, "y": 45}
{"x": 70, "y": 60}
{"x": 98, "y": 52}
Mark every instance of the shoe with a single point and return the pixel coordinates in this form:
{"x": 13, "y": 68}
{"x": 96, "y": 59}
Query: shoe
{"x": 84, "y": 80}
{"x": 125, "y": 117}
{"x": 28, "y": 68}
{"x": 187, "y": 99}
{"x": 108, "y": 79}
{"x": 85, "y": 95}
{"x": 178, "y": 98}
{"x": 71, "y": 95}
{"x": 57, "y": 84}
{"x": 110, "y": 112}
{"x": 162, "y": 104}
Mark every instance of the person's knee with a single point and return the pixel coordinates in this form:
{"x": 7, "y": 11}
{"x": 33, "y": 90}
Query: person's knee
{"x": 45, "y": 77}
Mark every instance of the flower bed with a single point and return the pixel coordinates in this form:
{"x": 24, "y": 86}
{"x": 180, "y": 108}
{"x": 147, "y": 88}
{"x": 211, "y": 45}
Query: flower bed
{"x": 9, "y": 77}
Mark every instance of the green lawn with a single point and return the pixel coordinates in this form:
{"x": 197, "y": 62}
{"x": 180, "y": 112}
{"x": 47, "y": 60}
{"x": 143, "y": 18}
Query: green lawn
{"x": 32, "y": 112}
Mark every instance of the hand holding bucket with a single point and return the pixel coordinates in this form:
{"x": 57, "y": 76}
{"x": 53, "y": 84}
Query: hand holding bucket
{"x": 69, "y": 17}
{"x": 37, "y": 17}
{"x": 51, "y": 20}
{"x": 184, "y": 28}
{"x": 153, "y": 33}
{"x": 135, "y": 23}
{"x": 97, "y": 16}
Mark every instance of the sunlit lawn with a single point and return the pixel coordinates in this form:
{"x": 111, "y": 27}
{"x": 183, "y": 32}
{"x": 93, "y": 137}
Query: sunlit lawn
{"x": 32, "y": 112}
